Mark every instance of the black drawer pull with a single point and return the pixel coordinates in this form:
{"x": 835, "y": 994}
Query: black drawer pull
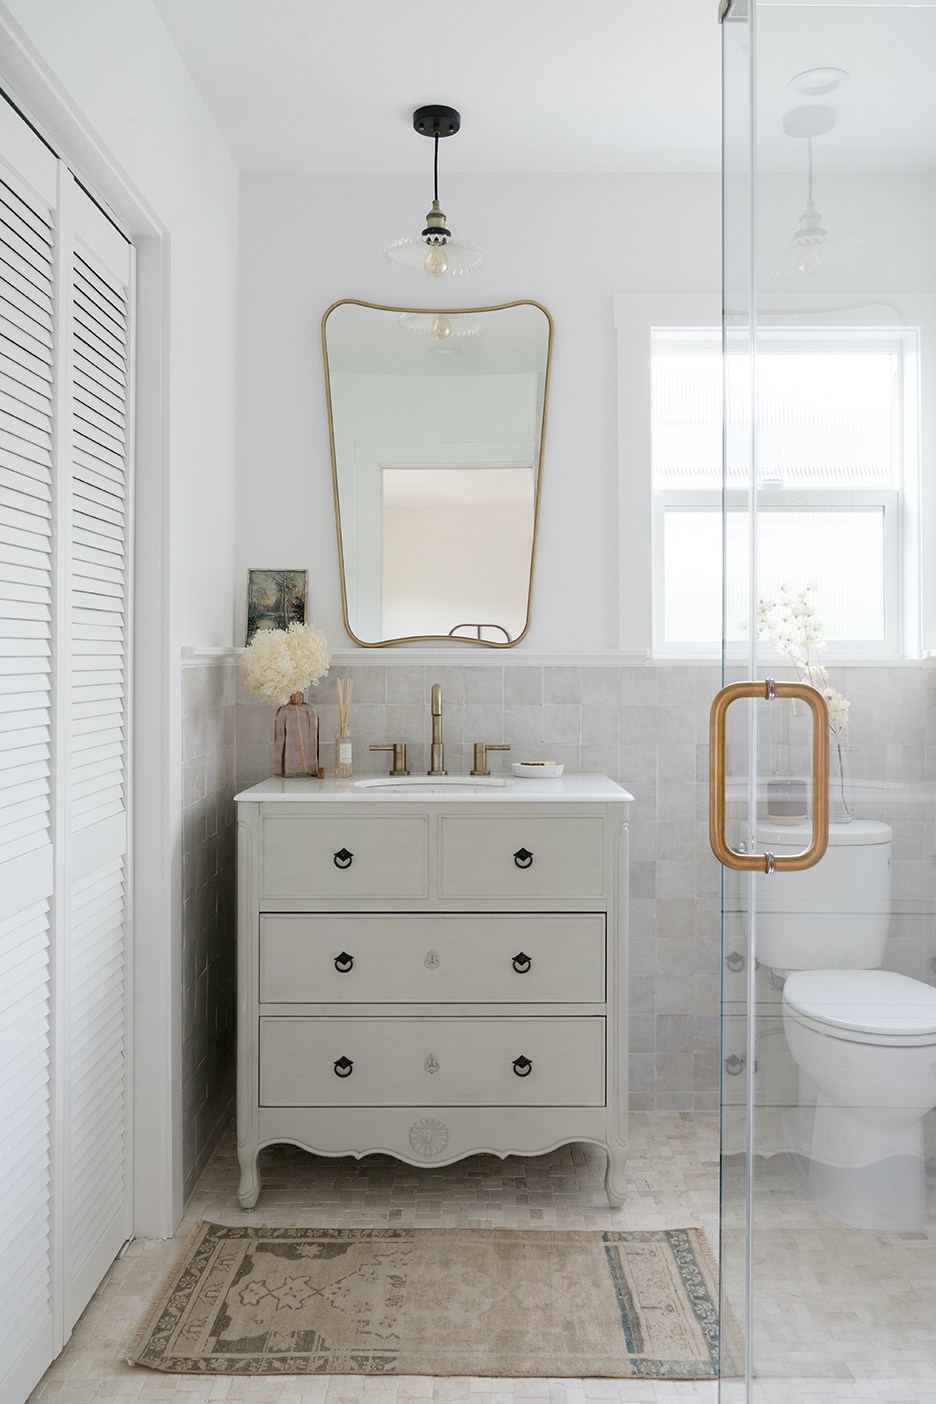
{"x": 343, "y": 858}
{"x": 522, "y": 1066}
{"x": 523, "y": 858}
{"x": 522, "y": 963}
{"x": 344, "y": 1067}
{"x": 344, "y": 963}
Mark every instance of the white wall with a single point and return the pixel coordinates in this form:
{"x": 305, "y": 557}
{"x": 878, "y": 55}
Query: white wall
{"x": 570, "y": 242}
{"x": 117, "y": 64}
{"x": 567, "y": 241}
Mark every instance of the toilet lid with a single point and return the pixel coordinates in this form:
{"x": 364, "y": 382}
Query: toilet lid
{"x": 867, "y": 1001}
{"x": 860, "y": 833}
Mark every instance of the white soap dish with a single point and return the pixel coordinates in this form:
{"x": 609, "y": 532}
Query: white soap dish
{"x": 536, "y": 770}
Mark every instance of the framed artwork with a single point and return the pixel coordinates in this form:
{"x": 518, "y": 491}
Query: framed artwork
{"x": 275, "y": 599}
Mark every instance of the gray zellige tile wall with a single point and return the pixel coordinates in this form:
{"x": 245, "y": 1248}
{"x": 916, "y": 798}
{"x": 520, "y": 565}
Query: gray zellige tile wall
{"x": 647, "y": 727}
{"x": 208, "y": 835}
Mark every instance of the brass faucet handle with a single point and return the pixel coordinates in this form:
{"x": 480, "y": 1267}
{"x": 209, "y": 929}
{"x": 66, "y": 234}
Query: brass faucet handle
{"x": 481, "y": 749}
{"x": 399, "y": 756}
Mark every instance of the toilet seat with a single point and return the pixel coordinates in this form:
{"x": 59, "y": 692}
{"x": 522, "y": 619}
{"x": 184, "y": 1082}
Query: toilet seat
{"x": 863, "y": 1006}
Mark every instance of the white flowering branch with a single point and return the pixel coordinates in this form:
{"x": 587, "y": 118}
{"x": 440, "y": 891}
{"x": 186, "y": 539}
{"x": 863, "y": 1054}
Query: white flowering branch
{"x": 279, "y": 662}
{"x": 790, "y": 624}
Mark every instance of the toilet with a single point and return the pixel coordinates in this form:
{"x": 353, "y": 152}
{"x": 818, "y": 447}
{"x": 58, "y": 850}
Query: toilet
{"x": 864, "y": 1039}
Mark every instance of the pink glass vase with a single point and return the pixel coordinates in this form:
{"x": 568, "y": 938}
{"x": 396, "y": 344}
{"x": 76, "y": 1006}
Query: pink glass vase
{"x": 295, "y": 739}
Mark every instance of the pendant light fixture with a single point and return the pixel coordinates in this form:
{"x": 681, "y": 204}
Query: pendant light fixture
{"x": 435, "y": 251}
{"x": 440, "y": 325}
{"x": 811, "y": 250}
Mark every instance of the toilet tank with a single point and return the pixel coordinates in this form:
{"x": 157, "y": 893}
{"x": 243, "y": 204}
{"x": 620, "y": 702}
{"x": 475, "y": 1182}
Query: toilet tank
{"x": 834, "y": 916}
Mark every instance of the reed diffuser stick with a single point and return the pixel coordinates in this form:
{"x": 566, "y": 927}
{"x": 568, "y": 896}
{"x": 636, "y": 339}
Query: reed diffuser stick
{"x": 343, "y": 739}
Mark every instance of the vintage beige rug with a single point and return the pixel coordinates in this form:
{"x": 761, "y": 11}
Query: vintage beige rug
{"x": 400, "y": 1301}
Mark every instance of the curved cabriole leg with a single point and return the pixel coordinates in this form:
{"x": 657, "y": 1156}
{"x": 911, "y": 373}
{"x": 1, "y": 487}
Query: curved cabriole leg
{"x": 249, "y": 1188}
{"x": 615, "y": 1180}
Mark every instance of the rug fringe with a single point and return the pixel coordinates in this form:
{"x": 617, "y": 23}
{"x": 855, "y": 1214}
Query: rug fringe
{"x": 168, "y": 1282}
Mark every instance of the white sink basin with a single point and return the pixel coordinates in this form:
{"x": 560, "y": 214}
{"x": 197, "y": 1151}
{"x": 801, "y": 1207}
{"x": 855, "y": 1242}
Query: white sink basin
{"x": 429, "y": 784}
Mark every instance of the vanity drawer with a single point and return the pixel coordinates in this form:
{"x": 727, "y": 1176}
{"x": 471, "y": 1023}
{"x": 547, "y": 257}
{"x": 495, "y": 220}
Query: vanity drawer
{"x": 520, "y": 857}
{"x": 415, "y": 958}
{"x": 431, "y": 1062}
{"x": 333, "y": 857}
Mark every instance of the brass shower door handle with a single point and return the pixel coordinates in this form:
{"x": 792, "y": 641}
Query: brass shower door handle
{"x": 767, "y": 690}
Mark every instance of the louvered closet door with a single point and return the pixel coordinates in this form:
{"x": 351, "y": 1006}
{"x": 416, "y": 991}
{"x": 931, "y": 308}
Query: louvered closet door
{"x": 27, "y": 1340}
{"x": 96, "y": 605}
{"x": 65, "y": 275}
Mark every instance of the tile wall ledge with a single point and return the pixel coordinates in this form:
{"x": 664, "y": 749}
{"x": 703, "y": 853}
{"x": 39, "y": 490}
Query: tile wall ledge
{"x": 600, "y": 658}
{"x": 425, "y": 657}
{"x": 210, "y": 657}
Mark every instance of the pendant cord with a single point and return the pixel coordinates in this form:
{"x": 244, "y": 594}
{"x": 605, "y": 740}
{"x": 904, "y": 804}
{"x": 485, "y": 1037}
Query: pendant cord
{"x": 435, "y": 168}
{"x": 809, "y": 158}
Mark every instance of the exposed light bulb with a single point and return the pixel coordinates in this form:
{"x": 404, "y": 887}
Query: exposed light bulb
{"x": 809, "y": 262}
{"x": 435, "y": 263}
{"x": 441, "y": 328}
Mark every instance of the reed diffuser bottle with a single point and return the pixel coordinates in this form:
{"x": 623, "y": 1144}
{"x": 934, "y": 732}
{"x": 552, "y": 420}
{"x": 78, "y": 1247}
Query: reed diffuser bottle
{"x": 343, "y": 739}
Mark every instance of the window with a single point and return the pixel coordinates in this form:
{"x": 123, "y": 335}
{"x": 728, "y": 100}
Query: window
{"x": 833, "y": 457}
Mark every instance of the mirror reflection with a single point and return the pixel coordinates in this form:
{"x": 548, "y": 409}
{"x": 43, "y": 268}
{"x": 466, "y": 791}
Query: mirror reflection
{"x": 436, "y": 422}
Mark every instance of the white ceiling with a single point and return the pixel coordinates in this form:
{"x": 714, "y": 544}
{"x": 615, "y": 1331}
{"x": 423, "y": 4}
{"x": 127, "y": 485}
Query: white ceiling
{"x": 550, "y": 85}
{"x": 886, "y": 110}
{"x": 542, "y": 85}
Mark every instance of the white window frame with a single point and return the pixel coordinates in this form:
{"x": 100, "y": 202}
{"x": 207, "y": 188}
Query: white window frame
{"x": 900, "y": 504}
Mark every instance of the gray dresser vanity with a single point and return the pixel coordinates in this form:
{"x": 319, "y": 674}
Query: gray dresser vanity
{"x": 432, "y": 971}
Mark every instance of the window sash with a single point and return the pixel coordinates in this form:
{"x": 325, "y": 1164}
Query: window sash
{"x": 900, "y": 504}
{"x": 736, "y": 500}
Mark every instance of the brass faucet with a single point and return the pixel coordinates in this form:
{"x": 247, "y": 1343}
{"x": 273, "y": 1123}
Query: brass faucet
{"x": 437, "y": 755}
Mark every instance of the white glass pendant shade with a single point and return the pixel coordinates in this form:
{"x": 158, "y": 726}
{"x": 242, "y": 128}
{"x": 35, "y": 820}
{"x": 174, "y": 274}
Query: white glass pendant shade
{"x": 441, "y": 326}
{"x": 810, "y": 252}
{"x": 461, "y": 256}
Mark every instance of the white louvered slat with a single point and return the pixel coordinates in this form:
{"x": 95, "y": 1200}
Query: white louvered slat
{"x": 98, "y": 620}
{"x": 22, "y": 231}
{"x": 98, "y": 1043}
{"x": 26, "y": 304}
{"x": 16, "y": 746}
{"x": 25, "y": 1115}
{"x": 12, "y": 680}
{"x": 24, "y": 221}
{"x": 24, "y": 1131}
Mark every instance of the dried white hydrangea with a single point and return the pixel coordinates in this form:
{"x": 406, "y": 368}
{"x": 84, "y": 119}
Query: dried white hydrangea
{"x": 790, "y": 624}
{"x": 279, "y": 662}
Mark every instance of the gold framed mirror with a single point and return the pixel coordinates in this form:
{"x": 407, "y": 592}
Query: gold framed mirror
{"x": 436, "y": 419}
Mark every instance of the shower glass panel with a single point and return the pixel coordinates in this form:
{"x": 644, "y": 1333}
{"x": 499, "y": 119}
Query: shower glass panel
{"x": 828, "y": 1240}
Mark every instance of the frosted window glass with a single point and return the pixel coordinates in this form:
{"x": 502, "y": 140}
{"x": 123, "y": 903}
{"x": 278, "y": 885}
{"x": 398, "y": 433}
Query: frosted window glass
{"x": 794, "y": 546}
{"x": 825, "y": 419}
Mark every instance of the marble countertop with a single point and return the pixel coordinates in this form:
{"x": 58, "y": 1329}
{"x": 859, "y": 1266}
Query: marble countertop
{"x": 567, "y": 789}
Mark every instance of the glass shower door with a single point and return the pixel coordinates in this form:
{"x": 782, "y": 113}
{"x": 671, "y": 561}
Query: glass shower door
{"x": 828, "y": 1229}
